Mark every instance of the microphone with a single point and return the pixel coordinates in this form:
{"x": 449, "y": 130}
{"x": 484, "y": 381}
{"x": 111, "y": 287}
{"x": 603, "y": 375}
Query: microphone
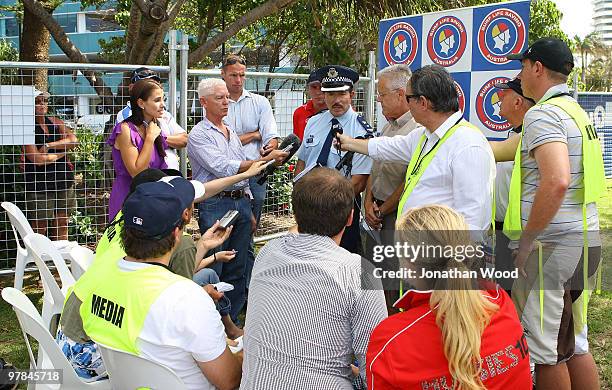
{"x": 290, "y": 144}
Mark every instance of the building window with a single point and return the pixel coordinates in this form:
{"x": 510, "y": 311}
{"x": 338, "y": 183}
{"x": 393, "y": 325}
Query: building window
{"x": 10, "y": 27}
{"x": 67, "y": 21}
{"x": 97, "y": 25}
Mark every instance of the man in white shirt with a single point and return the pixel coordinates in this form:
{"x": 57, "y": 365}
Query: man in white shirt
{"x": 176, "y": 136}
{"x": 449, "y": 160}
{"x": 250, "y": 116}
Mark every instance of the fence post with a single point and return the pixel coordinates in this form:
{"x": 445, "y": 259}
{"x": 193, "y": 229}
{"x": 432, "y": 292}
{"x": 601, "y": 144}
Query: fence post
{"x": 172, "y": 48}
{"x": 184, "y": 47}
{"x": 371, "y": 90}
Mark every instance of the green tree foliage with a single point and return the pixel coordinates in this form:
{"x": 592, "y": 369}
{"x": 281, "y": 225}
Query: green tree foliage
{"x": 545, "y": 21}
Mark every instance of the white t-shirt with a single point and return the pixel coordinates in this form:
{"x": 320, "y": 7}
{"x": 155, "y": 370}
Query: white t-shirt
{"x": 182, "y": 327}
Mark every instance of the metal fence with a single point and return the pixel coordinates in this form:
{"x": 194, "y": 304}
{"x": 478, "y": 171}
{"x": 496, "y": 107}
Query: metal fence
{"x": 75, "y": 102}
{"x": 599, "y": 107}
{"x": 80, "y": 109}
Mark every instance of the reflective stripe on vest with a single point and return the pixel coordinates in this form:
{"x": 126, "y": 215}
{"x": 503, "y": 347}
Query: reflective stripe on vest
{"x": 413, "y": 176}
{"x": 115, "y": 303}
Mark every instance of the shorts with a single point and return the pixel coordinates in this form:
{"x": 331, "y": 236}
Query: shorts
{"x": 45, "y": 205}
{"x": 557, "y": 333}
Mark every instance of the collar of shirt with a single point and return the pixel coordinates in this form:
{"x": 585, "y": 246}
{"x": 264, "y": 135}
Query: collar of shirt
{"x": 402, "y": 120}
{"x": 245, "y": 94}
{"x": 444, "y": 127}
{"x": 207, "y": 124}
{"x": 413, "y": 298}
{"x": 555, "y": 89}
{"x": 344, "y": 117}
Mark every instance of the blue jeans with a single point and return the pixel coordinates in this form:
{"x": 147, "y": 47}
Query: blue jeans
{"x": 209, "y": 276}
{"x": 233, "y": 272}
{"x": 259, "y": 196}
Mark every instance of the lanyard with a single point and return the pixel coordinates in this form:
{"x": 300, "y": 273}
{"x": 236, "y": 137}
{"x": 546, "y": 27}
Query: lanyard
{"x": 420, "y": 159}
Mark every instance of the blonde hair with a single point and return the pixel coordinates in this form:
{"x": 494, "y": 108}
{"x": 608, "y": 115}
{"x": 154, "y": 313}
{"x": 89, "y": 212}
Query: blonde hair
{"x": 462, "y": 312}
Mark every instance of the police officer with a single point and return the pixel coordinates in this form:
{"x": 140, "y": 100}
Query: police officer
{"x": 338, "y": 87}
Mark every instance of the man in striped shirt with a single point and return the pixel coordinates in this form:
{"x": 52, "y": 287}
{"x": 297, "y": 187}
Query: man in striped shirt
{"x": 308, "y": 315}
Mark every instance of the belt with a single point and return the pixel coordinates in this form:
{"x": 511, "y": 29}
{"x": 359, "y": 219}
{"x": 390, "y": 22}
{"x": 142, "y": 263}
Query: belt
{"x": 234, "y": 194}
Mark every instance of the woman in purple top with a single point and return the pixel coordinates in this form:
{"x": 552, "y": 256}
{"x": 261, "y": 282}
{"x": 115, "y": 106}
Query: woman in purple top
{"x": 137, "y": 141}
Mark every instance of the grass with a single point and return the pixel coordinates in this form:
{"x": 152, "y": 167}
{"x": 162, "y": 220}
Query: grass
{"x": 13, "y": 349}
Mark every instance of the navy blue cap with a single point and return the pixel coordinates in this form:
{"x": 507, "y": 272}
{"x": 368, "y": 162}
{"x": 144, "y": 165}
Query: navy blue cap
{"x": 156, "y": 208}
{"x": 315, "y": 76}
{"x": 515, "y": 85}
{"x": 337, "y": 78}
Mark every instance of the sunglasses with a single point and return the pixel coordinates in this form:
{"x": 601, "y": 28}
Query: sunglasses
{"x": 234, "y": 59}
{"x": 144, "y": 75}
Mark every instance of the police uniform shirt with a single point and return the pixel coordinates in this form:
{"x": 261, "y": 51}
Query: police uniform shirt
{"x": 317, "y": 129}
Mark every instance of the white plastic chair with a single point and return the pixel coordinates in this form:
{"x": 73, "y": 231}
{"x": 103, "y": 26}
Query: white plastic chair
{"x": 80, "y": 260}
{"x": 31, "y": 324}
{"x": 129, "y": 372}
{"x": 42, "y": 249}
{"x": 22, "y": 228}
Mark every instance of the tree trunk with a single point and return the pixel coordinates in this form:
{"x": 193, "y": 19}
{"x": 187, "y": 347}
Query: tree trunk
{"x": 72, "y": 52}
{"x": 34, "y": 47}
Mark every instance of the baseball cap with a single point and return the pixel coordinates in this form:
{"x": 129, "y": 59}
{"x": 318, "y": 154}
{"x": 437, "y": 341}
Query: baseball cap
{"x": 194, "y": 187}
{"x": 315, "y": 76}
{"x": 156, "y": 209}
{"x": 143, "y": 74}
{"x": 515, "y": 85}
{"x": 152, "y": 174}
{"x": 553, "y": 53}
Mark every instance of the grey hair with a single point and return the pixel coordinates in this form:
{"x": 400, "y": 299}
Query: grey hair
{"x": 398, "y": 76}
{"x": 437, "y": 85}
{"x": 206, "y": 87}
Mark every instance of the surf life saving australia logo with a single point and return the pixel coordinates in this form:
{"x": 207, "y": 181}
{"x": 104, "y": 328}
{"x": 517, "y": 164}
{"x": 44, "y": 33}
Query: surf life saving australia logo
{"x": 400, "y": 44}
{"x": 488, "y": 104}
{"x": 446, "y": 41}
{"x": 460, "y": 96}
{"x": 501, "y": 32}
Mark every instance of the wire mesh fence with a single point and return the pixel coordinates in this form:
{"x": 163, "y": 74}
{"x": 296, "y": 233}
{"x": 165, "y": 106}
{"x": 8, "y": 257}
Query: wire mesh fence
{"x": 599, "y": 107}
{"x": 64, "y": 190}
{"x": 285, "y": 93}
{"x": 55, "y": 164}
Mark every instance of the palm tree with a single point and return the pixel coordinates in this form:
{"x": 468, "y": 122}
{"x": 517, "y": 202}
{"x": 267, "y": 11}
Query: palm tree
{"x": 591, "y": 44}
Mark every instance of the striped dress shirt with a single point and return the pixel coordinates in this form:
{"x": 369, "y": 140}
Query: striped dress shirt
{"x": 308, "y": 316}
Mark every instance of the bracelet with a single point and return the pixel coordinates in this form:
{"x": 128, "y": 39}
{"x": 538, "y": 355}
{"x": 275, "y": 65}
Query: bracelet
{"x": 215, "y": 256}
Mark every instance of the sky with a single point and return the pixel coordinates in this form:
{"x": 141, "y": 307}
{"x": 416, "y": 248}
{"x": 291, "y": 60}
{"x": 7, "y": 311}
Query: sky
{"x": 577, "y": 16}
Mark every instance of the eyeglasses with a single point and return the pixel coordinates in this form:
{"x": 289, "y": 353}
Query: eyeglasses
{"x": 144, "y": 75}
{"x": 380, "y": 95}
{"x": 234, "y": 59}
{"x": 408, "y": 97}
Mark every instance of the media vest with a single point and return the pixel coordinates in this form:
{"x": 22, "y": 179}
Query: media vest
{"x": 115, "y": 303}
{"x": 592, "y": 163}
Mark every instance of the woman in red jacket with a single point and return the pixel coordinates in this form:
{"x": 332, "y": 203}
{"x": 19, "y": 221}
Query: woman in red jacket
{"x": 450, "y": 335}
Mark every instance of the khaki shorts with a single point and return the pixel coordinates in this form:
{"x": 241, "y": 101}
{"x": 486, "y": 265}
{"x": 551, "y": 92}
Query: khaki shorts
{"x": 45, "y": 205}
{"x": 551, "y": 333}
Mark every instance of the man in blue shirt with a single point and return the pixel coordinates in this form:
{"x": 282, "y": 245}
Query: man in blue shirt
{"x": 337, "y": 85}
